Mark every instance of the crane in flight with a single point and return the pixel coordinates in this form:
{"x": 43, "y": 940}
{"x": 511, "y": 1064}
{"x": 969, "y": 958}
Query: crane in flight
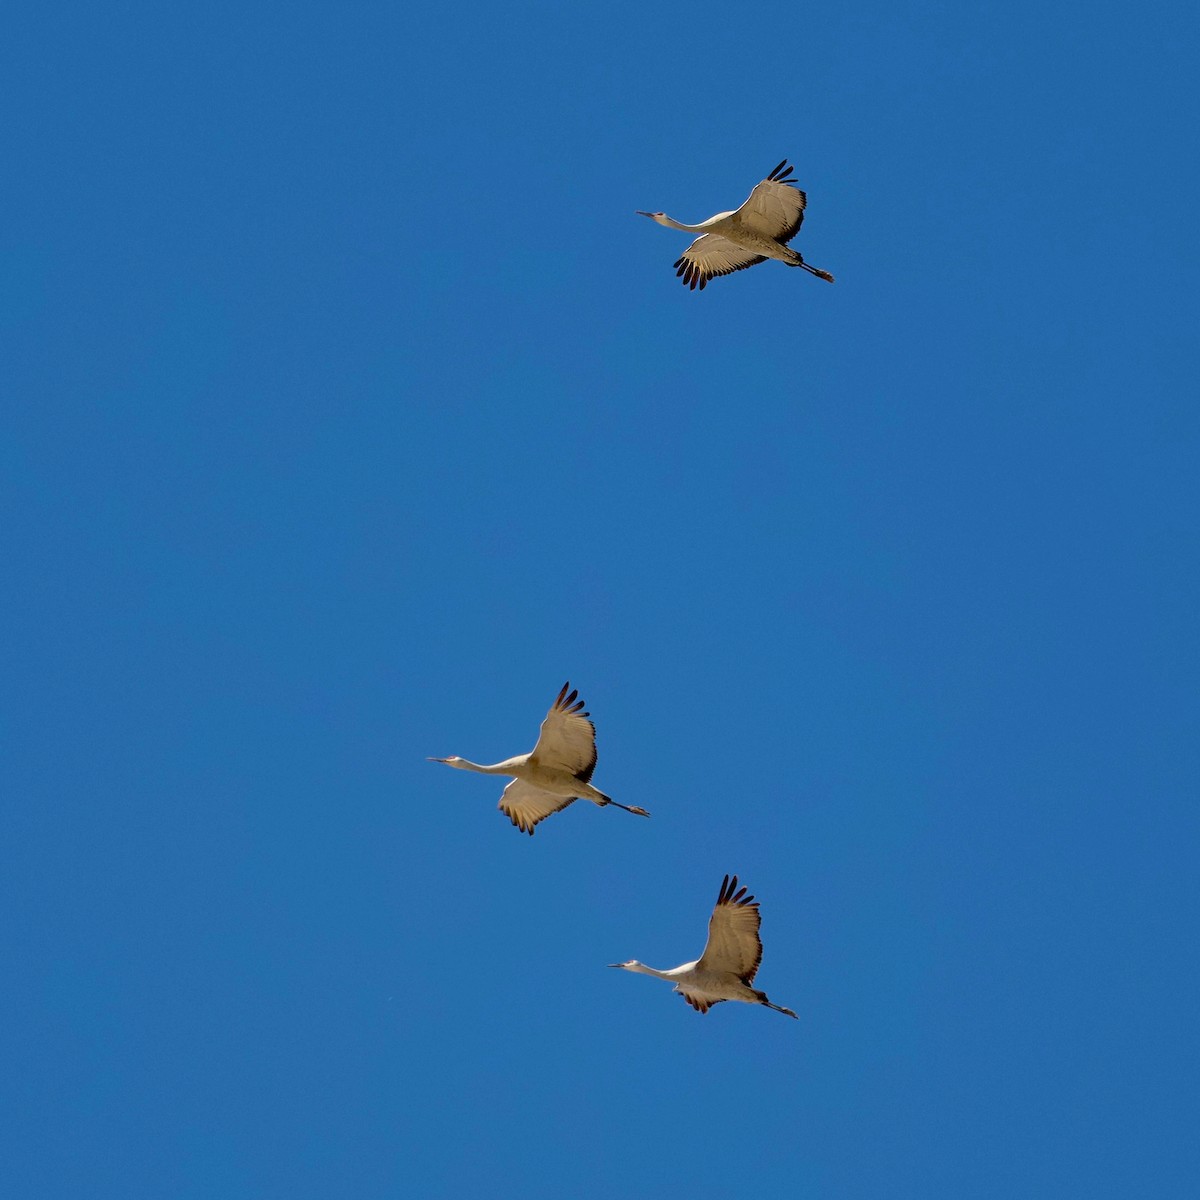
{"x": 733, "y": 241}
{"x": 555, "y": 773}
{"x": 731, "y": 956}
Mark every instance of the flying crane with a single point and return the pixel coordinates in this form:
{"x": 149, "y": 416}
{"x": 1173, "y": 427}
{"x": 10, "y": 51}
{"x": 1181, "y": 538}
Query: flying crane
{"x": 731, "y": 956}
{"x": 555, "y": 773}
{"x": 733, "y": 241}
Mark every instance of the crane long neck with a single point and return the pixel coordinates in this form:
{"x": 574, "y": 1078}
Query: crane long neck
{"x": 642, "y": 969}
{"x": 680, "y": 225}
{"x": 500, "y": 768}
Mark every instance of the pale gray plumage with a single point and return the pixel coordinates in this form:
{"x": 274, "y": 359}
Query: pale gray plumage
{"x": 555, "y": 773}
{"x": 760, "y": 229}
{"x": 730, "y": 960}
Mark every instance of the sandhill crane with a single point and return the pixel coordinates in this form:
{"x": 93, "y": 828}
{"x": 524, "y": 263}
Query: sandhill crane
{"x": 557, "y": 771}
{"x": 731, "y": 956}
{"x": 733, "y": 241}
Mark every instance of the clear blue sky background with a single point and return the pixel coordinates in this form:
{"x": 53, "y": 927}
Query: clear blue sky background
{"x": 349, "y": 409}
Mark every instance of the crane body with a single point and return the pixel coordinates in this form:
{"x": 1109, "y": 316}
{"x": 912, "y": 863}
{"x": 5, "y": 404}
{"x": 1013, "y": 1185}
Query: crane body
{"x": 726, "y": 969}
{"x": 555, "y": 773}
{"x": 732, "y": 241}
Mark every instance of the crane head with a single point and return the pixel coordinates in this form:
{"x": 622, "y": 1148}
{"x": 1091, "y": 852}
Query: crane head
{"x": 627, "y": 966}
{"x": 450, "y": 762}
{"x": 652, "y": 216}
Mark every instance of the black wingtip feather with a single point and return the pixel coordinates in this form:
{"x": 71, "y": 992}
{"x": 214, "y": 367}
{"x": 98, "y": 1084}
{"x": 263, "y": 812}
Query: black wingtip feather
{"x": 732, "y": 893}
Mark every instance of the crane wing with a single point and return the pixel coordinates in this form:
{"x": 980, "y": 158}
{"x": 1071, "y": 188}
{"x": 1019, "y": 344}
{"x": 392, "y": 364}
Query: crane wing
{"x": 733, "y": 941}
{"x": 699, "y": 1002}
{"x": 775, "y": 207}
{"x": 525, "y": 805}
{"x": 568, "y": 738}
{"x": 710, "y": 256}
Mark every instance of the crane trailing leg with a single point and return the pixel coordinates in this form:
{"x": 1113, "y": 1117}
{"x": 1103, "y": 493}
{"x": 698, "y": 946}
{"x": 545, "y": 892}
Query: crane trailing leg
{"x": 629, "y": 808}
{"x": 762, "y": 999}
{"x": 799, "y": 262}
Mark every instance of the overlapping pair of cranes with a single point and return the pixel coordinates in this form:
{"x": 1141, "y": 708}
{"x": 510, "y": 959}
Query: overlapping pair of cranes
{"x": 558, "y": 770}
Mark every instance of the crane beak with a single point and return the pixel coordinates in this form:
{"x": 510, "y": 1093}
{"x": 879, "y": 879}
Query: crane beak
{"x": 436, "y": 760}
{"x": 639, "y": 213}
{"x": 616, "y": 964}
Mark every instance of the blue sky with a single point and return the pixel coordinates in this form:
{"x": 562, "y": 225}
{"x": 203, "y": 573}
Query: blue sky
{"x": 349, "y": 410}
